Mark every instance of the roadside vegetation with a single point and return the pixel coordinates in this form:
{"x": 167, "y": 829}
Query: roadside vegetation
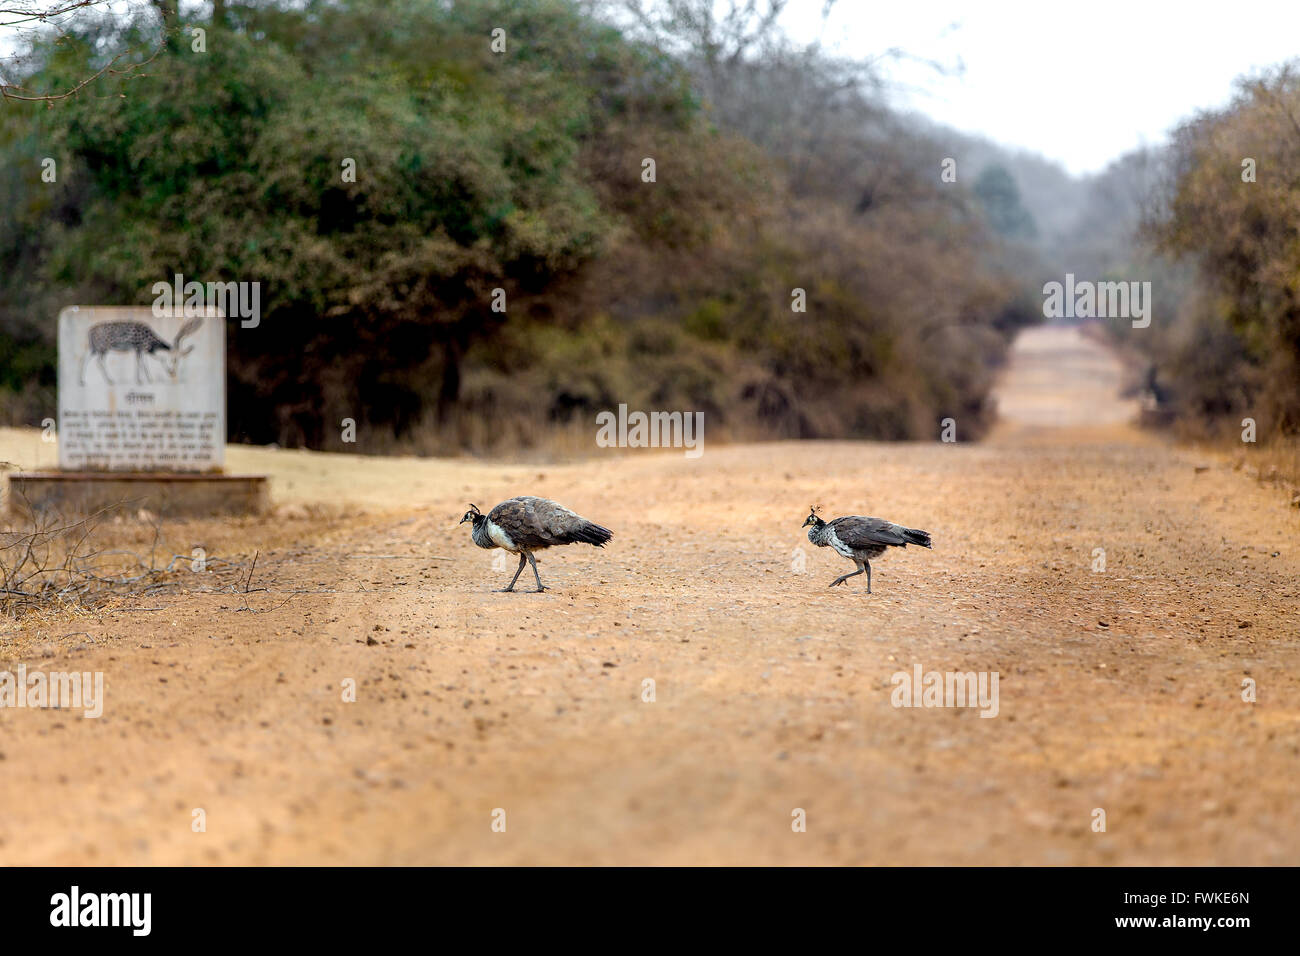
{"x": 776, "y": 168}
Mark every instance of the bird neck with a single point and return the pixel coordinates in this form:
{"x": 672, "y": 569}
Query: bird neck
{"x": 479, "y": 532}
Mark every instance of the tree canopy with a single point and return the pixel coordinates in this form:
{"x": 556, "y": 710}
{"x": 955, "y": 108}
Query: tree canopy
{"x": 381, "y": 168}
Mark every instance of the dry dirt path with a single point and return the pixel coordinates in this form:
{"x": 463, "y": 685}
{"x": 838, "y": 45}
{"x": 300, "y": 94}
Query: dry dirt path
{"x": 1118, "y": 689}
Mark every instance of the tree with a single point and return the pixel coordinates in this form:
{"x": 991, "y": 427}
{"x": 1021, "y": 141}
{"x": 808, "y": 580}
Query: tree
{"x": 1231, "y": 204}
{"x": 386, "y": 176}
{"x": 41, "y": 26}
{"x": 1000, "y": 198}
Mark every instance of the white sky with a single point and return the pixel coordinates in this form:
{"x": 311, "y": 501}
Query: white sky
{"x": 1080, "y": 82}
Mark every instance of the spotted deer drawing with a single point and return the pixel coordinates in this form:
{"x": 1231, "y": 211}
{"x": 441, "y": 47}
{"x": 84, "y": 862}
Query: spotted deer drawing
{"x": 105, "y": 337}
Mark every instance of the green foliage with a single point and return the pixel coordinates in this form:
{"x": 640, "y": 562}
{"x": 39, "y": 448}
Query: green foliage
{"x": 1000, "y": 198}
{"x": 476, "y": 171}
{"x": 1236, "y": 348}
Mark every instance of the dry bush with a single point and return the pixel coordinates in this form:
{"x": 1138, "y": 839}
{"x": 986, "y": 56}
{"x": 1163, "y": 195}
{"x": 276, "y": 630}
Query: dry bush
{"x": 53, "y": 563}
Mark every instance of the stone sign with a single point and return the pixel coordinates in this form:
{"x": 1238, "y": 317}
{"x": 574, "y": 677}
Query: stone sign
{"x": 141, "y": 392}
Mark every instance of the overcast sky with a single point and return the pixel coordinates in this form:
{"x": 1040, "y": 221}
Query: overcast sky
{"x": 1079, "y": 82}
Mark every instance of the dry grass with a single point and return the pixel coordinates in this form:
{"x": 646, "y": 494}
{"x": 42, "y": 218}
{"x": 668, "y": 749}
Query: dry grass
{"x": 1275, "y": 463}
{"x": 51, "y": 565}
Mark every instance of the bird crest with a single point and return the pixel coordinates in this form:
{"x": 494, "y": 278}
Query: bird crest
{"x": 813, "y": 518}
{"x": 471, "y": 514}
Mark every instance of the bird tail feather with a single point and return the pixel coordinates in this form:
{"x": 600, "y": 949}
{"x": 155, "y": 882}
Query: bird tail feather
{"x": 916, "y": 536}
{"x": 591, "y": 533}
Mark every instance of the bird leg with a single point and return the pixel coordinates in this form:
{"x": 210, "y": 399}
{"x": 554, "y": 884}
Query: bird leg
{"x": 853, "y": 574}
{"x": 518, "y": 571}
{"x": 868, "y": 564}
{"x": 533, "y": 561}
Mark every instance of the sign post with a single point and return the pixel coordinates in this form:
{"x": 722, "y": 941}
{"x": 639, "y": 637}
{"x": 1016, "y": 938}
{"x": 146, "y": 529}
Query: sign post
{"x": 142, "y": 417}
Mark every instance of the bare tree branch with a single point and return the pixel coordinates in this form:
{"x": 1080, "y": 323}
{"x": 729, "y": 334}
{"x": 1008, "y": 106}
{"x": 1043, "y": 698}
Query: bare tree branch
{"x": 34, "y": 20}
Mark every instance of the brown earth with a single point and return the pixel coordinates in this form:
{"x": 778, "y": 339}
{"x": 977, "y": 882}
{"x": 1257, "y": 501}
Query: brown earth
{"x": 1120, "y": 689}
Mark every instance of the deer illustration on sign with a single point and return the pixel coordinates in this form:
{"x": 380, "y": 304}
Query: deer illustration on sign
{"x": 139, "y": 338}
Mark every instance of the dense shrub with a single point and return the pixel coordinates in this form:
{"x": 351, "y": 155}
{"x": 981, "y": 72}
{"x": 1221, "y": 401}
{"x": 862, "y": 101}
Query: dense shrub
{"x": 518, "y": 171}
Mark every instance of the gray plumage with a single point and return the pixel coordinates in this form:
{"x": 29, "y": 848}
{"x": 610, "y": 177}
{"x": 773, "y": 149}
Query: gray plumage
{"x": 860, "y": 539}
{"x": 526, "y": 524}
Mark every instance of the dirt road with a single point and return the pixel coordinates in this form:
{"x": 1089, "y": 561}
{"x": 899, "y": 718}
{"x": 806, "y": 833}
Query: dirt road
{"x": 1119, "y": 689}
